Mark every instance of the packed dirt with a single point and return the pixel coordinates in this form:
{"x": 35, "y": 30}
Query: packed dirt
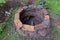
{"x": 34, "y": 16}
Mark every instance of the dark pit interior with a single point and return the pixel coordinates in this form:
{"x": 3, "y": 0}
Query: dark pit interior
{"x": 31, "y": 16}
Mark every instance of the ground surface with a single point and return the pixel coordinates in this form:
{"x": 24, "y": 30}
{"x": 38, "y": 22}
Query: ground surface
{"x": 54, "y": 11}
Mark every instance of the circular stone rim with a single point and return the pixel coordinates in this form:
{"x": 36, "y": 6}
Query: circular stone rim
{"x": 26, "y": 27}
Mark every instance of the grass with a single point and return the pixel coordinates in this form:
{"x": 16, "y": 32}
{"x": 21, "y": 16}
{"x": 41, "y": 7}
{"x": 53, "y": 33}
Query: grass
{"x": 9, "y": 32}
{"x": 2, "y": 2}
{"x": 54, "y": 5}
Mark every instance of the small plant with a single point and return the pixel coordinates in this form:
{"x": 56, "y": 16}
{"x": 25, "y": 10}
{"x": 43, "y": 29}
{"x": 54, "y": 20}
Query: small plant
{"x": 2, "y": 24}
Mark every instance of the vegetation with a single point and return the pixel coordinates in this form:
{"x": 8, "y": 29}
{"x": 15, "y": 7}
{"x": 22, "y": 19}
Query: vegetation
{"x": 54, "y": 5}
{"x": 2, "y": 2}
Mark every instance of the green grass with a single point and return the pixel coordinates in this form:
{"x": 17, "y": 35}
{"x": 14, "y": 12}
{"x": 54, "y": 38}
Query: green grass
{"x": 7, "y": 26}
{"x": 2, "y": 2}
{"x": 54, "y": 5}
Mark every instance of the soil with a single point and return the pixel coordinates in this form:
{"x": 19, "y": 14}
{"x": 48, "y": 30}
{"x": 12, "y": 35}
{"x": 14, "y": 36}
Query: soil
{"x": 31, "y": 16}
{"x": 7, "y": 7}
{"x": 2, "y": 17}
{"x": 34, "y": 16}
